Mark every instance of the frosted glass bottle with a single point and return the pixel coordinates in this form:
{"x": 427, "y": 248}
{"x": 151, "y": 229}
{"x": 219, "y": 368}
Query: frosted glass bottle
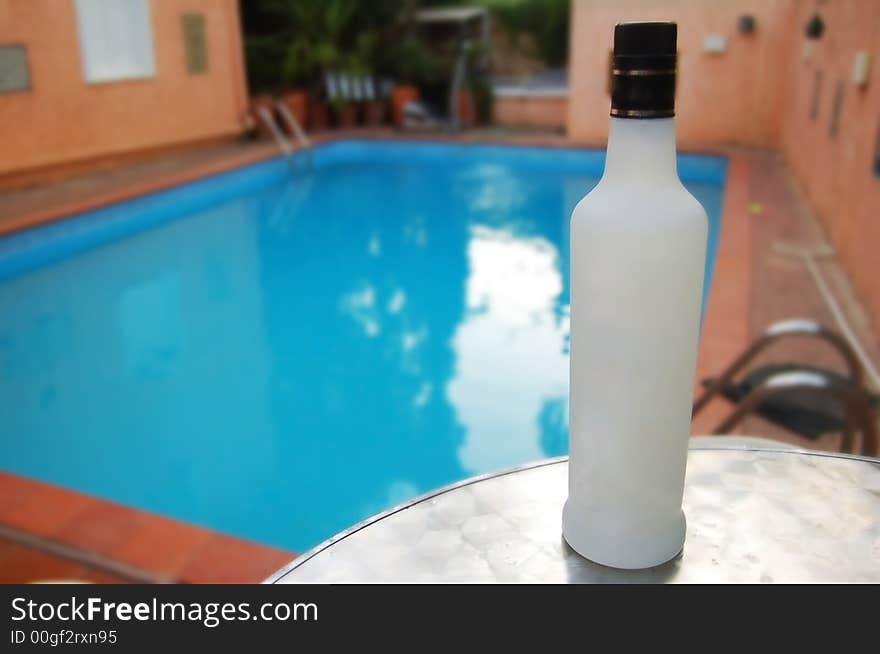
{"x": 638, "y": 247}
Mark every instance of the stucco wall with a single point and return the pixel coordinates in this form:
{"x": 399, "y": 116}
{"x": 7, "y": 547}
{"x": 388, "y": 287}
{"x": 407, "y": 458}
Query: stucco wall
{"x": 721, "y": 98}
{"x": 63, "y": 119}
{"x": 760, "y": 93}
{"x": 531, "y": 111}
{"x": 835, "y": 172}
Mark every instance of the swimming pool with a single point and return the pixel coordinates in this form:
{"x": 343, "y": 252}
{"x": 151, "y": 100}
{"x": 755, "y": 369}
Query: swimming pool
{"x": 278, "y": 353}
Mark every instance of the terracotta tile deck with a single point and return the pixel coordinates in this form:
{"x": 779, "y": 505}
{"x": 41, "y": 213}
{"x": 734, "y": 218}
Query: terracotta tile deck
{"x": 29, "y": 206}
{"x": 48, "y": 532}
{"x": 51, "y": 532}
{"x": 20, "y": 564}
{"x": 725, "y": 329}
{"x": 755, "y": 285}
{"x": 34, "y": 205}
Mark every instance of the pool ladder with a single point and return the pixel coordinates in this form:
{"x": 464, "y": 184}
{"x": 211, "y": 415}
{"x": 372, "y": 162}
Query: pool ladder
{"x": 293, "y": 124}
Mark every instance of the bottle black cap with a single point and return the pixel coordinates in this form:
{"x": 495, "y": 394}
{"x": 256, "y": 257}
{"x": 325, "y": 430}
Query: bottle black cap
{"x": 643, "y": 70}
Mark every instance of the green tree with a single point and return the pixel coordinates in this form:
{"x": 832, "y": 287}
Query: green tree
{"x": 546, "y": 21}
{"x": 293, "y": 42}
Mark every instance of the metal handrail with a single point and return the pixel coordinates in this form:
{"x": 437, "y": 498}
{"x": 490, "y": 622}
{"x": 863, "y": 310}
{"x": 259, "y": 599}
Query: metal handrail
{"x": 858, "y": 410}
{"x": 456, "y": 83}
{"x": 773, "y": 333}
{"x": 293, "y": 124}
{"x": 269, "y": 122}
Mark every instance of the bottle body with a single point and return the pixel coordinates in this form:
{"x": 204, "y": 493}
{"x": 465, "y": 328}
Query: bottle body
{"x": 638, "y": 247}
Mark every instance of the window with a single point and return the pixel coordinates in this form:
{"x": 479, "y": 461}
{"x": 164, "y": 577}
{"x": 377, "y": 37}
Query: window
{"x": 115, "y": 39}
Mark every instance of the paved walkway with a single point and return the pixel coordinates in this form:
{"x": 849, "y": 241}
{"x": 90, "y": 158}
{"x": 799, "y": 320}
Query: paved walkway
{"x": 33, "y": 205}
{"x": 756, "y": 285}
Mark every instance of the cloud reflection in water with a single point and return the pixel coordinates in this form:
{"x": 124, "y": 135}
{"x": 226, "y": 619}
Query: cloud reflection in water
{"x": 511, "y": 358}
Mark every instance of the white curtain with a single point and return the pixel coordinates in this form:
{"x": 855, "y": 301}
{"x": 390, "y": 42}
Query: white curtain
{"x": 115, "y": 39}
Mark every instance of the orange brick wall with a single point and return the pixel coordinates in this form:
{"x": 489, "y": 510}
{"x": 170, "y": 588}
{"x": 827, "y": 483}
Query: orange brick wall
{"x": 546, "y": 112}
{"x": 63, "y": 119}
{"x": 722, "y": 98}
{"x": 836, "y": 172}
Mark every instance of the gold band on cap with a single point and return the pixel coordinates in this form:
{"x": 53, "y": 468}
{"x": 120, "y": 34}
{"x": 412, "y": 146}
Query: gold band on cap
{"x": 642, "y": 113}
{"x": 642, "y": 72}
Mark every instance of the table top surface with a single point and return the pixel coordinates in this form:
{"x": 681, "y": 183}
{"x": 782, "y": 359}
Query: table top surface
{"x": 754, "y": 514}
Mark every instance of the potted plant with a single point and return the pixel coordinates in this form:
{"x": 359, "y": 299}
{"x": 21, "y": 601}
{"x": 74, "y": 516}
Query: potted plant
{"x": 314, "y": 38}
{"x": 401, "y": 94}
{"x": 318, "y": 115}
{"x": 259, "y": 101}
{"x": 476, "y": 104}
{"x": 301, "y": 71}
{"x": 375, "y": 109}
{"x": 303, "y": 66}
{"x": 464, "y": 107}
{"x": 344, "y": 108}
{"x": 260, "y": 54}
{"x": 411, "y": 64}
{"x": 483, "y": 99}
{"x": 313, "y": 33}
{"x": 361, "y": 65}
{"x": 297, "y": 101}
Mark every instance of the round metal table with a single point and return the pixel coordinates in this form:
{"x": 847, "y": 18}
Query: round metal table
{"x": 756, "y": 513}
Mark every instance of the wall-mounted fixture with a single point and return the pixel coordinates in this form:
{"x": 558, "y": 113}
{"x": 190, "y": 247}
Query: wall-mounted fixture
{"x": 715, "y": 43}
{"x": 14, "y": 73}
{"x": 194, "y": 46}
{"x": 877, "y": 155}
{"x": 816, "y": 100}
{"x": 807, "y": 52}
{"x": 815, "y": 26}
{"x": 746, "y": 24}
{"x": 836, "y": 108}
{"x": 861, "y": 68}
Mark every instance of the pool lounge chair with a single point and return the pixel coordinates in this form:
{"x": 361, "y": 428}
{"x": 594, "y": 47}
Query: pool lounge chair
{"x": 807, "y": 400}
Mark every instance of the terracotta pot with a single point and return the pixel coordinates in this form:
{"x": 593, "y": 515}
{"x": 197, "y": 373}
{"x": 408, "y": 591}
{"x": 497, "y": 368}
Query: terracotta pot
{"x": 297, "y": 102}
{"x": 319, "y": 116}
{"x": 374, "y": 113}
{"x": 258, "y": 101}
{"x": 467, "y": 112}
{"x": 346, "y": 116}
{"x": 400, "y": 95}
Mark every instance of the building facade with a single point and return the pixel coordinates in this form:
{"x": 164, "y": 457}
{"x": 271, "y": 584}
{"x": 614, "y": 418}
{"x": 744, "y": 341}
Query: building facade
{"x": 749, "y": 75}
{"x": 85, "y": 80}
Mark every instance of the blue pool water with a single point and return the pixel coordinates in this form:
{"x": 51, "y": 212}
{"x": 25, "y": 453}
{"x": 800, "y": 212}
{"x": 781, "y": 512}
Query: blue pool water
{"x": 278, "y": 354}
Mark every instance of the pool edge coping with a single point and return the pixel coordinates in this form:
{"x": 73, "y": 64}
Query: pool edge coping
{"x": 66, "y": 535}
{"x": 266, "y": 151}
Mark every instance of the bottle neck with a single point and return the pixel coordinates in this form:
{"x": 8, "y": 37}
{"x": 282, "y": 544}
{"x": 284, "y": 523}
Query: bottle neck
{"x": 641, "y": 148}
